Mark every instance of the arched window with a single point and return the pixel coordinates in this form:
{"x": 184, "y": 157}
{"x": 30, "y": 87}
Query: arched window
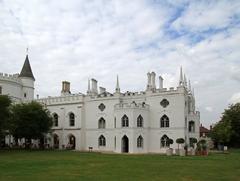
{"x": 71, "y": 119}
{"x": 164, "y": 122}
{"x": 101, "y": 141}
{"x": 140, "y": 142}
{"x": 164, "y": 141}
{"x": 55, "y": 120}
{"x": 140, "y": 121}
{"x": 191, "y": 126}
{"x": 101, "y": 123}
{"x": 125, "y": 121}
{"x": 0, "y": 90}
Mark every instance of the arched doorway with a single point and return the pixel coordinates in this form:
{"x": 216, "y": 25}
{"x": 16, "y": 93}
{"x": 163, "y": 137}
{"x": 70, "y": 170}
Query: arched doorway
{"x": 55, "y": 141}
{"x": 71, "y": 142}
{"x": 125, "y": 144}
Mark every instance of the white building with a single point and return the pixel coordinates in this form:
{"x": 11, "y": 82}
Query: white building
{"x": 115, "y": 122}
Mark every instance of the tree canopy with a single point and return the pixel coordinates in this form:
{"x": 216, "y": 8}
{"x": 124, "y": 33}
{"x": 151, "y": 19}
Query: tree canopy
{"x": 30, "y": 121}
{"x": 5, "y": 103}
{"x": 227, "y": 130}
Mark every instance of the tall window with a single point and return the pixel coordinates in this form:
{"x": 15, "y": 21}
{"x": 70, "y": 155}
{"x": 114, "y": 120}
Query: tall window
{"x": 101, "y": 123}
{"x": 191, "y": 126}
{"x": 101, "y": 141}
{"x": 125, "y": 121}
{"x": 140, "y": 121}
{"x": 164, "y": 141}
{"x": 55, "y": 120}
{"x": 164, "y": 122}
{"x": 0, "y": 90}
{"x": 115, "y": 122}
{"x": 71, "y": 119}
{"x": 140, "y": 142}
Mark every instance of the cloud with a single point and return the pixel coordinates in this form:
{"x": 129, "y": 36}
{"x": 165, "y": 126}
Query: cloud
{"x": 209, "y": 109}
{"x": 207, "y": 15}
{"x": 235, "y": 98}
{"x": 81, "y": 39}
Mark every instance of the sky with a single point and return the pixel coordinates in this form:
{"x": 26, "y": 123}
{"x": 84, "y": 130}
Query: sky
{"x": 75, "y": 40}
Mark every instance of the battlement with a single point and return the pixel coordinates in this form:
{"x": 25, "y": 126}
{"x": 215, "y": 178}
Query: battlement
{"x": 68, "y": 99}
{"x": 134, "y": 105}
{"x": 170, "y": 90}
{"x": 10, "y": 77}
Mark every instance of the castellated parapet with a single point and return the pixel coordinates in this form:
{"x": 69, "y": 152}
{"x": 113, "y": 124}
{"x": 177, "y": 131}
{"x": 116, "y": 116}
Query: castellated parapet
{"x": 10, "y": 77}
{"x": 132, "y": 105}
{"x": 67, "y": 99}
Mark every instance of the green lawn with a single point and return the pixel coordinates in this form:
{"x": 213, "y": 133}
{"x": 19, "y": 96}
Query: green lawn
{"x": 70, "y": 165}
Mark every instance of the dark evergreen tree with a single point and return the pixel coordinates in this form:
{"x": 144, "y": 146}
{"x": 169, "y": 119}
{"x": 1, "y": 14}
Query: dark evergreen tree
{"x": 5, "y": 103}
{"x": 30, "y": 121}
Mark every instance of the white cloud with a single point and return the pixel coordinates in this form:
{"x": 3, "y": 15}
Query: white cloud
{"x": 209, "y": 109}
{"x": 203, "y": 15}
{"x": 77, "y": 40}
{"x": 235, "y": 98}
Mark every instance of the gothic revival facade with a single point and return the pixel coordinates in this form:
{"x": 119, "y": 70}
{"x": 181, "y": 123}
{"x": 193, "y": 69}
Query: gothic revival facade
{"x": 132, "y": 122}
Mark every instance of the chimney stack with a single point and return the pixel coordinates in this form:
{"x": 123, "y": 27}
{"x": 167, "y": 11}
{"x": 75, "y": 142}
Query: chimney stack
{"x": 102, "y": 90}
{"x": 94, "y": 86}
{"x": 149, "y": 81}
{"x": 65, "y": 88}
{"x": 160, "y": 82}
{"x": 153, "y": 75}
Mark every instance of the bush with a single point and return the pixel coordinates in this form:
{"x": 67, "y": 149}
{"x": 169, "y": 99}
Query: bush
{"x": 169, "y": 141}
{"x": 202, "y": 147}
{"x": 180, "y": 141}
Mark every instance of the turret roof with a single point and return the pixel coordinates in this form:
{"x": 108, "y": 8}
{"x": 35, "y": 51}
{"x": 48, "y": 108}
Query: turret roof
{"x": 26, "y": 69}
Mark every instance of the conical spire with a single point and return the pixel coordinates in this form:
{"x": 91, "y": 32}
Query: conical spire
{"x": 26, "y": 69}
{"x": 181, "y": 77}
{"x": 117, "y": 86}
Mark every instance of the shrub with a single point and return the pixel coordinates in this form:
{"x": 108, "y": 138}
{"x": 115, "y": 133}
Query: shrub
{"x": 180, "y": 141}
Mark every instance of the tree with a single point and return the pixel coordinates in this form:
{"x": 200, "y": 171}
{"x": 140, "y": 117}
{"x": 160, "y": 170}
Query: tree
{"x": 5, "y": 103}
{"x": 221, "y": 133}
{"x": 227, "y": 131}
{"x": 232, "y": 116}
{"x": 169, "y": 141}
{"x": 30, "y": 121}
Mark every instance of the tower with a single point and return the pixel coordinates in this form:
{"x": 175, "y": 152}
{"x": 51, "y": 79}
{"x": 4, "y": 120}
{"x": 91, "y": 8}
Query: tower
{"x": 27, "y": 79}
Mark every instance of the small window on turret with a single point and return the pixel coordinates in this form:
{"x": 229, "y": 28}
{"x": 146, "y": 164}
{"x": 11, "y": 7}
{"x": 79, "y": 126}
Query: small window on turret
{"x": 0, "y": 90}
{"x": 25, "y": 95}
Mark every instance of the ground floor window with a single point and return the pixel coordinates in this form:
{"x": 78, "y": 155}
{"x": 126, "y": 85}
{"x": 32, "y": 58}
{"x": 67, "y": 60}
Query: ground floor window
{"x": 164, "y": 141}
{"x": 140, "y": 142}
{"x": 101, "y": 141}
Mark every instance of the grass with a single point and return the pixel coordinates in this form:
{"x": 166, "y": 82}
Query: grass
{"x": 70, "y": 165}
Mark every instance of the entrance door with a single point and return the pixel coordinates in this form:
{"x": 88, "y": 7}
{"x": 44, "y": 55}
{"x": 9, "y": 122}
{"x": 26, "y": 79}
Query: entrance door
{"x": 55, "y": 141}
{"x": 72, "y": 142}
{"x": 125, "y": 144}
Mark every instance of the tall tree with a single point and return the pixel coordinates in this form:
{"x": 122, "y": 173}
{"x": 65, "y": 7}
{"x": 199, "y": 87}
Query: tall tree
{"x": 227, "y": 131}
{"x": 30, "y": 121}
{"x": 232, "y": 115}
{"x": 5, "y": 103}
{"x": 221, "y": 133}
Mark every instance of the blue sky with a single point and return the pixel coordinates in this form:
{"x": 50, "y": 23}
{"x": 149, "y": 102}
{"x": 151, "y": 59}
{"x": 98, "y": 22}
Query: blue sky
{"x": 79, "y": 39}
